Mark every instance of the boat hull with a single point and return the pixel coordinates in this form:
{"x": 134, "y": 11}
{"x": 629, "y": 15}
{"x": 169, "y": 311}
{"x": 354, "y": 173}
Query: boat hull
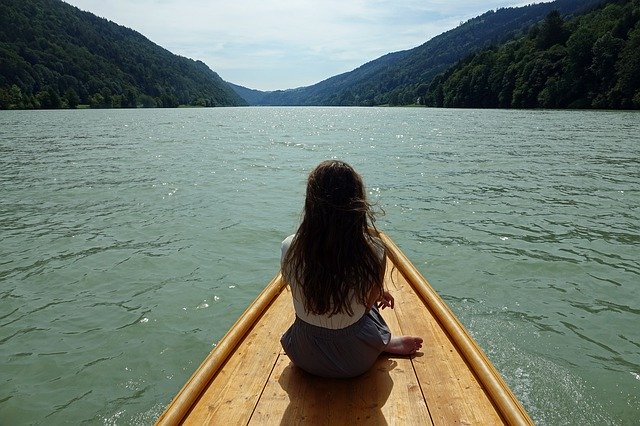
{"x": 248, "y": 379}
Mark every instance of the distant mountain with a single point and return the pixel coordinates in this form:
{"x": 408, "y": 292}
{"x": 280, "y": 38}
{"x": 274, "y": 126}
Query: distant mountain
{"x": 330, "y": 91}
{"x": 302, "y": 95}
{"x": 53, "y": 55}
{"x": 386, "y": 79}
{"x": 251, "y": 96}
{"x": 591, "y": 61}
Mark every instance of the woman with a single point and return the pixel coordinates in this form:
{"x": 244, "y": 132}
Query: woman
{"x": 335, "y": 266}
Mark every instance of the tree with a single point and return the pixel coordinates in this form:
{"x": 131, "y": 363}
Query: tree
{"x": 130, "y": 99}
{"x": 147, "y": 101}
{"x": 552, "y": 31}
{"x": 51, "y": 44}
{"x": 605, "y": 54}
{"x": 576, "y": 64}
{"x": 48, "y": 99}
{"x": 96, "y": 101}
{"x": 16, "y": 100}
{"x": 580, "y": 48}
{"x": 72, "y": 98}
{"x": 169, "y": 100}
{"x": 107, "y": 100}
{"x": 628, "y": 71}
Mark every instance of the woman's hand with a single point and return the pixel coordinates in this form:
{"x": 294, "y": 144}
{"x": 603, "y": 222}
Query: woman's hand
{"x": 385, "y": 301}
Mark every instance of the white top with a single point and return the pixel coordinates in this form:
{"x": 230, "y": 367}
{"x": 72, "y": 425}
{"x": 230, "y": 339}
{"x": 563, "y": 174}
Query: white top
{"x": 337, "y": 321}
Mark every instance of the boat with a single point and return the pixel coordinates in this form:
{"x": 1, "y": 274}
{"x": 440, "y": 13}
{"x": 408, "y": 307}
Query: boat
{"x": 248, "y": 379}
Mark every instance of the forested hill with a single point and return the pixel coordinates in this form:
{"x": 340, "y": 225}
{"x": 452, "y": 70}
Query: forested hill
{"x": 392, "y": 78}
{"x": 53, "y": 55}
{"x": 591, "y": 61}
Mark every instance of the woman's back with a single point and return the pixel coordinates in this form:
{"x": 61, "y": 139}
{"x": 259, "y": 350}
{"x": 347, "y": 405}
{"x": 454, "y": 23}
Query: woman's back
{"x": 335, "y": 266}
{"x": 327, "y": 320}
{"x": 333, "y": 258}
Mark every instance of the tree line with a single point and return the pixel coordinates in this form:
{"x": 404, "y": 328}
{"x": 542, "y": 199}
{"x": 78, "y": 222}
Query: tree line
{"x": 394, "y": 78}
{"x": 591, "y": 61}
{"x": 53, "y": 55}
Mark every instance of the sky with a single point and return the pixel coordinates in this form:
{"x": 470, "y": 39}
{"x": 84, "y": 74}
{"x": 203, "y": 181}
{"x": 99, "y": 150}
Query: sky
{"x": 283, "y": 44}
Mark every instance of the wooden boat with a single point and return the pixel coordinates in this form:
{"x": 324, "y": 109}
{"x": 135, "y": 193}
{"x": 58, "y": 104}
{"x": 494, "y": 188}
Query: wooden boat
{"x": 248, "y": 379}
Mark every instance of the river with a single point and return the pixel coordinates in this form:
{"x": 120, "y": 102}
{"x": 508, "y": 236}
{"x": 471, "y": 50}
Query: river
{"x": 131, "y": 240}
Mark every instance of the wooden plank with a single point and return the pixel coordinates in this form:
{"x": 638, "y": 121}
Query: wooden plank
{"x": 234, "y": 392}
{"x": 407, "y": 404}
{"x": 452, "y": 392}
{"x": 183, "y": 402}
{"x": 383, "y": 395}
{"x": 502, "y": 398}
{"x": 248, "y": 378}
{"x": 388, "y": 393}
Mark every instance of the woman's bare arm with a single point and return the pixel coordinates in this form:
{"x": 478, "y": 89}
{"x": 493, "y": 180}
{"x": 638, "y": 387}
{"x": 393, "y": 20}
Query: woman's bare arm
{"x": 381, "y": 300}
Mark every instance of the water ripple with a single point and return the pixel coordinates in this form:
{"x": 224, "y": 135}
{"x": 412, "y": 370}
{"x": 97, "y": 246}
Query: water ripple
{"x": 117, "y": 225}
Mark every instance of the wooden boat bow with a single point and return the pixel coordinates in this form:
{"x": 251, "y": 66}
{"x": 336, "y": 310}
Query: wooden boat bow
{"x": 247, "y": 378}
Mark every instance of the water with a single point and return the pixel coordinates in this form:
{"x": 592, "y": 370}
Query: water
{"x": 131, "y": 240}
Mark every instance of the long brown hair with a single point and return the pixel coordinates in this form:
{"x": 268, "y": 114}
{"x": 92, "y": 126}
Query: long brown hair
{"x": 334, "y": 256}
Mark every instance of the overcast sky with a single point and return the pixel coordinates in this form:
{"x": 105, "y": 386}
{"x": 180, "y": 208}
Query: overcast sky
{"x": 282, "y": 44}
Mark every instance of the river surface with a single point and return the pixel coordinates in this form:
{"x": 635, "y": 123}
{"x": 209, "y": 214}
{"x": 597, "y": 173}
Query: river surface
{"x": 131, "y": 240}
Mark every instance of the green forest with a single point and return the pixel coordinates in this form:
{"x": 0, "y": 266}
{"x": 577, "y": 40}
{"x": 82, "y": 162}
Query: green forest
{"x": 394, "y": 78}
{"x": 590, "y": 61}
{"x": 561, "y": 54}
{"x": 53, "y": 55}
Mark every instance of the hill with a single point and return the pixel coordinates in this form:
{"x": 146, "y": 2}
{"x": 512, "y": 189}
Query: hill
{"x": 337, "y": 90}
{"x": 54, "y": 55}
{"x": 591, "y": 61}
{"x": 392, "y": 78}
{"x": 251, "y": 96}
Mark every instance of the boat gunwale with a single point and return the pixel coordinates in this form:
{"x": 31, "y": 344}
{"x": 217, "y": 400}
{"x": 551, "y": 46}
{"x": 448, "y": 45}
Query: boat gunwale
{"x": 506, "y": 403}
{"x": 183, "y": 402}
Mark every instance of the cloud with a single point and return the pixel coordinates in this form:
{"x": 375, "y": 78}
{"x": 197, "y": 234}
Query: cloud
{"x": 276, "y": 44}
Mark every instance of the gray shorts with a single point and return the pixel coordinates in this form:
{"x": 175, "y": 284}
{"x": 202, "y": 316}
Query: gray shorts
{"x": 342, "y": 353}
